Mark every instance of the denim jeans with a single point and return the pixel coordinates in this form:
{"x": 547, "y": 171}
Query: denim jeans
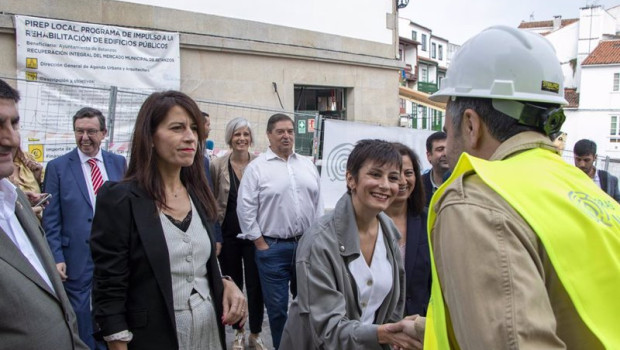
{"x": 276, "y": 267}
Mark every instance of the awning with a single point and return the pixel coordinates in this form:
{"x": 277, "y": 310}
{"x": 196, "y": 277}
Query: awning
{"x": 420, "y": 98}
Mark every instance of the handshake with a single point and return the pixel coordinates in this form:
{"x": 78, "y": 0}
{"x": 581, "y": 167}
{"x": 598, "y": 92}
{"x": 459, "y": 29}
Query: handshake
{"x": 405, "y": 334}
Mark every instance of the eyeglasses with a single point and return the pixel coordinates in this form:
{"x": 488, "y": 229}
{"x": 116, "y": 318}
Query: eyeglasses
{"x": 89, "y": 132}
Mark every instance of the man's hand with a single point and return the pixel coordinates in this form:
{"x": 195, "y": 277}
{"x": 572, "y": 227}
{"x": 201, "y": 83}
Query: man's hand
{"x": 235, "y": 305}
{"x": 218, "y": 248}
{"x": 62, "y": 270}
{"x": 411, "y": 326}
{"x": 261, "y": 244}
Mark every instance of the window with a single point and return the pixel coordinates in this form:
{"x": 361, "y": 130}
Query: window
{"x": 433, "y": 50}
{"x": 423, "y": 73}
{"x": 414, "y": 35}
{"x": 616, "y": 81}
{"x": 615, "y": 130}
{"x": 424, "y": 42}
{"x": 440, "y": 52}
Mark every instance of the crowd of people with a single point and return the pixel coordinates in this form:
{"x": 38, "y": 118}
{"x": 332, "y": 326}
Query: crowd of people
{"x": 500, "y": 245}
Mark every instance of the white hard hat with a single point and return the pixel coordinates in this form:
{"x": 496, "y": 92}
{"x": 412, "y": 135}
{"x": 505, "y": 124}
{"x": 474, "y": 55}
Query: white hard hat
{"x": 505, "y": 63}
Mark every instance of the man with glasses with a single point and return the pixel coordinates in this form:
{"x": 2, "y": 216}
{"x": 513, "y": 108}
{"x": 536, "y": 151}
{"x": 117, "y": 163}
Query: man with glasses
{"x": 73, "y": 180}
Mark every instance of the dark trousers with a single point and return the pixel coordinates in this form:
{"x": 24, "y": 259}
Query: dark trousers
{"x": 277, "y": 273}
{"x": 79, "y": 293}
{"x": 236, "y": 256}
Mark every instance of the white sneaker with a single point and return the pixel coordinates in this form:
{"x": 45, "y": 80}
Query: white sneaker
{"x": 239, "y": 342}
{"x": 257, "y": 343}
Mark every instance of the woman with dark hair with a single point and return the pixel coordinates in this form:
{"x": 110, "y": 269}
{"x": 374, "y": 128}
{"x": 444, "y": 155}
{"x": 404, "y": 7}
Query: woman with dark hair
{"x": 237, "y": 254}
{"x": 350, "y": 277}
{"x": 157, "y": 283}
{"x": 407, "y": 212}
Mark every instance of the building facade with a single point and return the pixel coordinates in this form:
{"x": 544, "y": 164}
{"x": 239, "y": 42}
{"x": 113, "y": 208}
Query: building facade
{"x": 589, "y": 51}
{"x": 426, "y": 58}
{"x": 352, "y": 76}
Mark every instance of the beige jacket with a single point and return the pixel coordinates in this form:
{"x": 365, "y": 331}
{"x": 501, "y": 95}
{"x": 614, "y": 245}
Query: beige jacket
{"x": 221, "y": 182}
{"x": 500, "y": 289}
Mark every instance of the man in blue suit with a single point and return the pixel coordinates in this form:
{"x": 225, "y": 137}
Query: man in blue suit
{"x": 73, "y": 181}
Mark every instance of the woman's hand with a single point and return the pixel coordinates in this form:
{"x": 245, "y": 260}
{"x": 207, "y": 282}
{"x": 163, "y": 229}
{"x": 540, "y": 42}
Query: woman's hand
{"x": 405, "y": 334}
{"x": 235, "y": 305}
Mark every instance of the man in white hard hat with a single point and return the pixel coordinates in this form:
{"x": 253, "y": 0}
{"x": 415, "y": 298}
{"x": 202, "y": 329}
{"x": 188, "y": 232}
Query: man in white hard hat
{"x": 524, "y": 246}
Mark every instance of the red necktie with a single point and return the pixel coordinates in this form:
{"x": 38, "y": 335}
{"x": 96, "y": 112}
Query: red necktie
{"x": 95, "y": 175}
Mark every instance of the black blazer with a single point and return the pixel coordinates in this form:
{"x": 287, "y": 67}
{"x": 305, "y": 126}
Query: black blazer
{"x": 417, "y": 266}
{"x": 609, "y": 184}
{"x": 132, "y": 283}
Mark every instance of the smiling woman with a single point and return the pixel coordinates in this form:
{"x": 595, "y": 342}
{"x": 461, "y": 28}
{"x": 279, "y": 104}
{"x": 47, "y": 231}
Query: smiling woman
{"x": 157, "y": 282}
{"x": 350, "y": 276}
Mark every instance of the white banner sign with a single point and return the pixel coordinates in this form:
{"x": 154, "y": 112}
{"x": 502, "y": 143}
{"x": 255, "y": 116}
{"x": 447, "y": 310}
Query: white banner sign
{"x": 57, "y": 51}
{"x": 340, "y": 138}
{"x": 70, "y": 65}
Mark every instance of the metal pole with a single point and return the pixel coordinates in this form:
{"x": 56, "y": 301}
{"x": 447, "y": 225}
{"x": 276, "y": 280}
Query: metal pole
{"x": 111, "y": 116}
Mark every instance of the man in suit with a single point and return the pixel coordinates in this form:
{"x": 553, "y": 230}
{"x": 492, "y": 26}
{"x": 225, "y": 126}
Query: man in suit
{"x": 73, "y": 181}
{"x": 36, "y": 313}
{"x": 584, "y": 152}
{"x": 207, "y": 161}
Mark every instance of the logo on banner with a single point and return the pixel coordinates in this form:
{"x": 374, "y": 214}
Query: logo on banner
{"x": 336, "y": 164}
{"x": 37, "y": 151}
{"x": 32, "y": 63}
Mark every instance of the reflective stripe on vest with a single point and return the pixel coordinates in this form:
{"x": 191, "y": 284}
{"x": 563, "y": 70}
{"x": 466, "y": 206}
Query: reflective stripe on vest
{"x": 577, "y": 223}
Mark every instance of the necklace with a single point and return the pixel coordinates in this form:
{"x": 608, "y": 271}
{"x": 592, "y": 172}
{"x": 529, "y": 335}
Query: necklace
{"x": 176, "y": 193}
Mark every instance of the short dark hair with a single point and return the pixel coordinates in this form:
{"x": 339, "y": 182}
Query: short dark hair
{"x": 88, "y": 112}
{"x": 7, "y": 92}
{"x": 500, "y": 125}
{"x": 278, "y": 117}
{"x": 204, "y": 114}
{"x": 377, "y": 151}
{"x": 584, "y": 147}
{"x": 417, "y": 199}
{"x": 436, "y": 136}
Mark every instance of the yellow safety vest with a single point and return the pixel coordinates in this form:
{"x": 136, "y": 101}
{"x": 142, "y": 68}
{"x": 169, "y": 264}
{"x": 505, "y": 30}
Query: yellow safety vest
{"x": 568, "y": 212}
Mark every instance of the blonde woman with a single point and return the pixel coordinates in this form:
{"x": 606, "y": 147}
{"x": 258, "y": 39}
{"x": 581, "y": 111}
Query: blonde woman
{"x": 237, "y": 255}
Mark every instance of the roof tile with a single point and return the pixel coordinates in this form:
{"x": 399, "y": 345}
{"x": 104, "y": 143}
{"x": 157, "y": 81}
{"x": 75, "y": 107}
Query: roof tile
{"x": 607, "y": 52}
{"x": 545, "y": 24}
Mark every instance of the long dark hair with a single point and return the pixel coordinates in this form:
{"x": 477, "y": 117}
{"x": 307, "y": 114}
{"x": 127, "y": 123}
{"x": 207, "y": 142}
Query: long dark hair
{"x": 143, "y": 162}
{"x": 416, "y": 201}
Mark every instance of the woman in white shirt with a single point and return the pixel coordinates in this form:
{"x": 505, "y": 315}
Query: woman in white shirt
{"x": 350, "y": 276}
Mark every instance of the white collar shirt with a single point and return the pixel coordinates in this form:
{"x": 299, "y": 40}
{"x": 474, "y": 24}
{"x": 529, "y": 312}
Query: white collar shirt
{"x": 86, "y": 169}
{"x": 11, "y": 226}
{"x": 373, "y": 282}
{"x": 278, "y": 198}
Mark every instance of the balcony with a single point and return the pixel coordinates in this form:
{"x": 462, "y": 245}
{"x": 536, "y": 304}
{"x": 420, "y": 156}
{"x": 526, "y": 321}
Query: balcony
{"x": 409, "y": 76}
{"x": 429, "y": 88}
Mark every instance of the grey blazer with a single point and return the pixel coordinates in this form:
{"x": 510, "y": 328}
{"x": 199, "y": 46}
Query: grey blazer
{"x": 326, "y": 312}
{"x": 33, "y": 316}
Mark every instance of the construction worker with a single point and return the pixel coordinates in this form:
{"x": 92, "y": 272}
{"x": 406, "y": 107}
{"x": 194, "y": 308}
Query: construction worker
{"x": 524, "y": 246}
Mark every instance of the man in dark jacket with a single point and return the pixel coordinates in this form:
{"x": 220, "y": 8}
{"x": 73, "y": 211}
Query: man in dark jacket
{"x": 585, "y": 156}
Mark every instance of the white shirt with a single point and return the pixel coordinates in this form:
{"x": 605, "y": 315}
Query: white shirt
{"x": 11, "y": 226}
{"x": 597, "y": 179}
{"x": 278, "y": 198}
{"x": 374, "y": 282}
{"x": 86, "y": 169}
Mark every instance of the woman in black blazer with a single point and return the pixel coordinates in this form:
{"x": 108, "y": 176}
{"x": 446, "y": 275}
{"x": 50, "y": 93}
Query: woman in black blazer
{"x": 143, "y": 225}
{"x": 407, "y": 212}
